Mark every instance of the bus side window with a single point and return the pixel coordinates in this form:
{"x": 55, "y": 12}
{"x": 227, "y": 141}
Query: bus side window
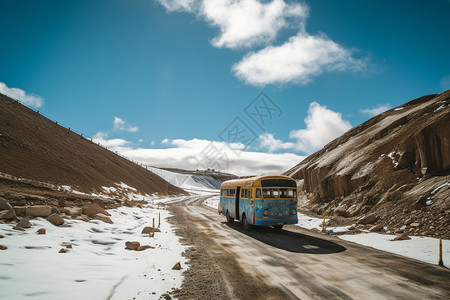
{"x": 258, "y": 193}
{"x": 242, "y": 193}
{"x": 250, "y": 194}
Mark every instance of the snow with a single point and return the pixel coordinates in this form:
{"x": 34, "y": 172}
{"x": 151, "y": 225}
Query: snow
{"x": 98, "y": 266}
{"x": 391, "y": 156}
{"x": 440, "y": 187}
{"x": 196, "y": 184}
{"x": 212, "y": 201}
{"x": 439, "y": 108}
{"x": 399, "y": 108}
{"x": 425, "y": 249}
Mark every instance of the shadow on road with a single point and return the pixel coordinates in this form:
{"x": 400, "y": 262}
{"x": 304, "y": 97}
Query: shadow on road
{"x": 290, "y": 241}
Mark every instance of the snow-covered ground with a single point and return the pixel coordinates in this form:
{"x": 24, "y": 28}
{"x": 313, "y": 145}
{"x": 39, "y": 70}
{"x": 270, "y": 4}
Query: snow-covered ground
{"x": 196, "y": 184}
{"x": 98, "y": 266}
{"x": 425, "y": 249}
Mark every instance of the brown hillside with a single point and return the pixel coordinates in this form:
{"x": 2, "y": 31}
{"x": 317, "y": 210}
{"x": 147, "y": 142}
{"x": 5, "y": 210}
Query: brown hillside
{"x": 33, "y": 147}
{"x": 396, "y": 165}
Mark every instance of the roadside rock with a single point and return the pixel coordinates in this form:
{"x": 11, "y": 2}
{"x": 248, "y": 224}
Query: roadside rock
{"x": 4, "y": 205}
{"x": 83, "y": 218}
{"x": 55, "y": 210}
{"x": 148, "y": 230}
{"x": 41, "y": 231}
{"x": 24, "y": 223}
{"x": 93, "y": 209}
{"x": 103, "y": 218}
{"x": 414, "y": 224}
{"x": 376, "y": 228}
{"x": 8, "y": 214}
{"x": 177, "y": 266}
{"x": 73, "y": 211}
{"x": 132, "y": 245}
{"x": 369, "y": 219}
{"x": 38, "y": 211}
{"x": 1, "y": 236}
{"x": 62, "y": 250}
{"x": 401, "y": 237}
{"x": 3, "y": 247}
{"x": 55, "y": 219}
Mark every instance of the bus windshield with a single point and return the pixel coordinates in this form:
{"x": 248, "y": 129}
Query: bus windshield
{"x": 279, "y": 193}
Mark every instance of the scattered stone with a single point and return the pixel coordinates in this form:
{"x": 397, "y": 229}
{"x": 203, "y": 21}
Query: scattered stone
{"x": 4, "y": 204}
{"x": 369, "y": 219}
{"x": 403, "y": 228}
{"x": 8, "y": 214}
{"x": 38, "y": 211}
{"x": 1, "y": 236}
{"x": 73, "y": 211}
{"x": 55, "y": 219}
{"x": 414, "y": 224}
{"x": 144, "y": 247}
{"x": 132, "y": 245}
{"x": 41, "y": 231}
{"x": 103, "y": 218}
{"x": 83, "y": 218}
{"x": 20, "y": 210}
{"x": 93, "y": 209}
{"x": 166, "y": 296}
{"x": 177, "y": 266}
{"x": 3, "y": 247}
{"x": 24, "y": 223}
{"x": 69, "y": 246}
{"x": 401, "y": 237}
{"x": 376, "y": 228}
{"x": 148, "y": 229}
{"x": 62, "y": 250}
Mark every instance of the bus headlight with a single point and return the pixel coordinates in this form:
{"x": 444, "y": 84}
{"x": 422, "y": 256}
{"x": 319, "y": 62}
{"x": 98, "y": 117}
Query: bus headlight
{"x": 293, "y": 211}
{"x": 266, "y": 212}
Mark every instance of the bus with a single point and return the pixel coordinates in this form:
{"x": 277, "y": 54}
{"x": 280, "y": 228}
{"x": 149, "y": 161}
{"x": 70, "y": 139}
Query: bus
{"x": 259, "y": 201}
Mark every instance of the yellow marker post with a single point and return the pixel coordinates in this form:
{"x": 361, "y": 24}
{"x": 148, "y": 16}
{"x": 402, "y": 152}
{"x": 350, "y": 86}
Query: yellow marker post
{"x": 159, "y": 220}
{"x": 441, "y": 262}
{"x": 323, "y": 224}
{"x": 153, "y": 228}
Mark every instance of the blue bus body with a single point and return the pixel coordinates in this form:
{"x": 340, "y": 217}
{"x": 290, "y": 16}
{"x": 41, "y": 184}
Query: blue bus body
{"x": 260, "y": 201}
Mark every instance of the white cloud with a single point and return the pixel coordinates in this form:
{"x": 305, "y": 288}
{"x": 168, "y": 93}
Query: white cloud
{"x": 122, "y": 125}
{"x": 199, "y": 154}
{"x": 322, "y": 126}
{"x": 178, "y": 5}
{"x": 18, "y": 94}
{"x": 298, "y": 60}
{"x": 268, "y": 141}
{"x": 116, "y": 144}
{"x": 376, "y": 110}
{"x": 245, "y": 23}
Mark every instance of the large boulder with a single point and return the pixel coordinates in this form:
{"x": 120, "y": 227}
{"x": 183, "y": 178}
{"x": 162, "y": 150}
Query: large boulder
{"x": 103, "y": 218}
{"x": 93, "y": 209}
{"x": 4, "y": 204}
{"x": 39, "y": 211}
{"x": 55, "y": 219}
{"x": 24, "y": 223}
{"x": 8, "y": 214}
{"x": 132, "y": 245}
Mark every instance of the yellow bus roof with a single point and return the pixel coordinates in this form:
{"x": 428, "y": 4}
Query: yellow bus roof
{"x": 250, "y": 182}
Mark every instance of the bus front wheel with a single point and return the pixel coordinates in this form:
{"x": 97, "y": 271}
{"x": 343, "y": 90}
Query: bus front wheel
{"x": 247, "y": 226}
{"x": 229, "y": 219}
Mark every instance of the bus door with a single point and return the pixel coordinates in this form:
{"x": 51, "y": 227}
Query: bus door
{"x": 236, "y": 211}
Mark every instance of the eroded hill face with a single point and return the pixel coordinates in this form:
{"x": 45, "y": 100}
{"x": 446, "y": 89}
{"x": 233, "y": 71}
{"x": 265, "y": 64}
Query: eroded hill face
{"x": 395, "y": 165}
{"x": 35, "y": 148}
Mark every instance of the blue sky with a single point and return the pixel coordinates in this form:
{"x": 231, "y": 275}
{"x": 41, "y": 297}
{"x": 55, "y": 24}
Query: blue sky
{"x": 160, "y": 80}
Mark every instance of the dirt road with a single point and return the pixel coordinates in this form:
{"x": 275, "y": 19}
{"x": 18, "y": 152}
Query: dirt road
{"x": 294, "y": 263}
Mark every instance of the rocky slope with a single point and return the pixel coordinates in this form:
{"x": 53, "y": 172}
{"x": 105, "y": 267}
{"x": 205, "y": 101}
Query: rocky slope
{"x": 395, "y": 166}
{"x": 37, "y": 151}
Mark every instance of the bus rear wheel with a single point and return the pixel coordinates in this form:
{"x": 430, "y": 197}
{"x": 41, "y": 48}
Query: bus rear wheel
{"x": 229, "y": 219}
{"x": 277, "y": 227}
{"x": 247, "y": 226}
